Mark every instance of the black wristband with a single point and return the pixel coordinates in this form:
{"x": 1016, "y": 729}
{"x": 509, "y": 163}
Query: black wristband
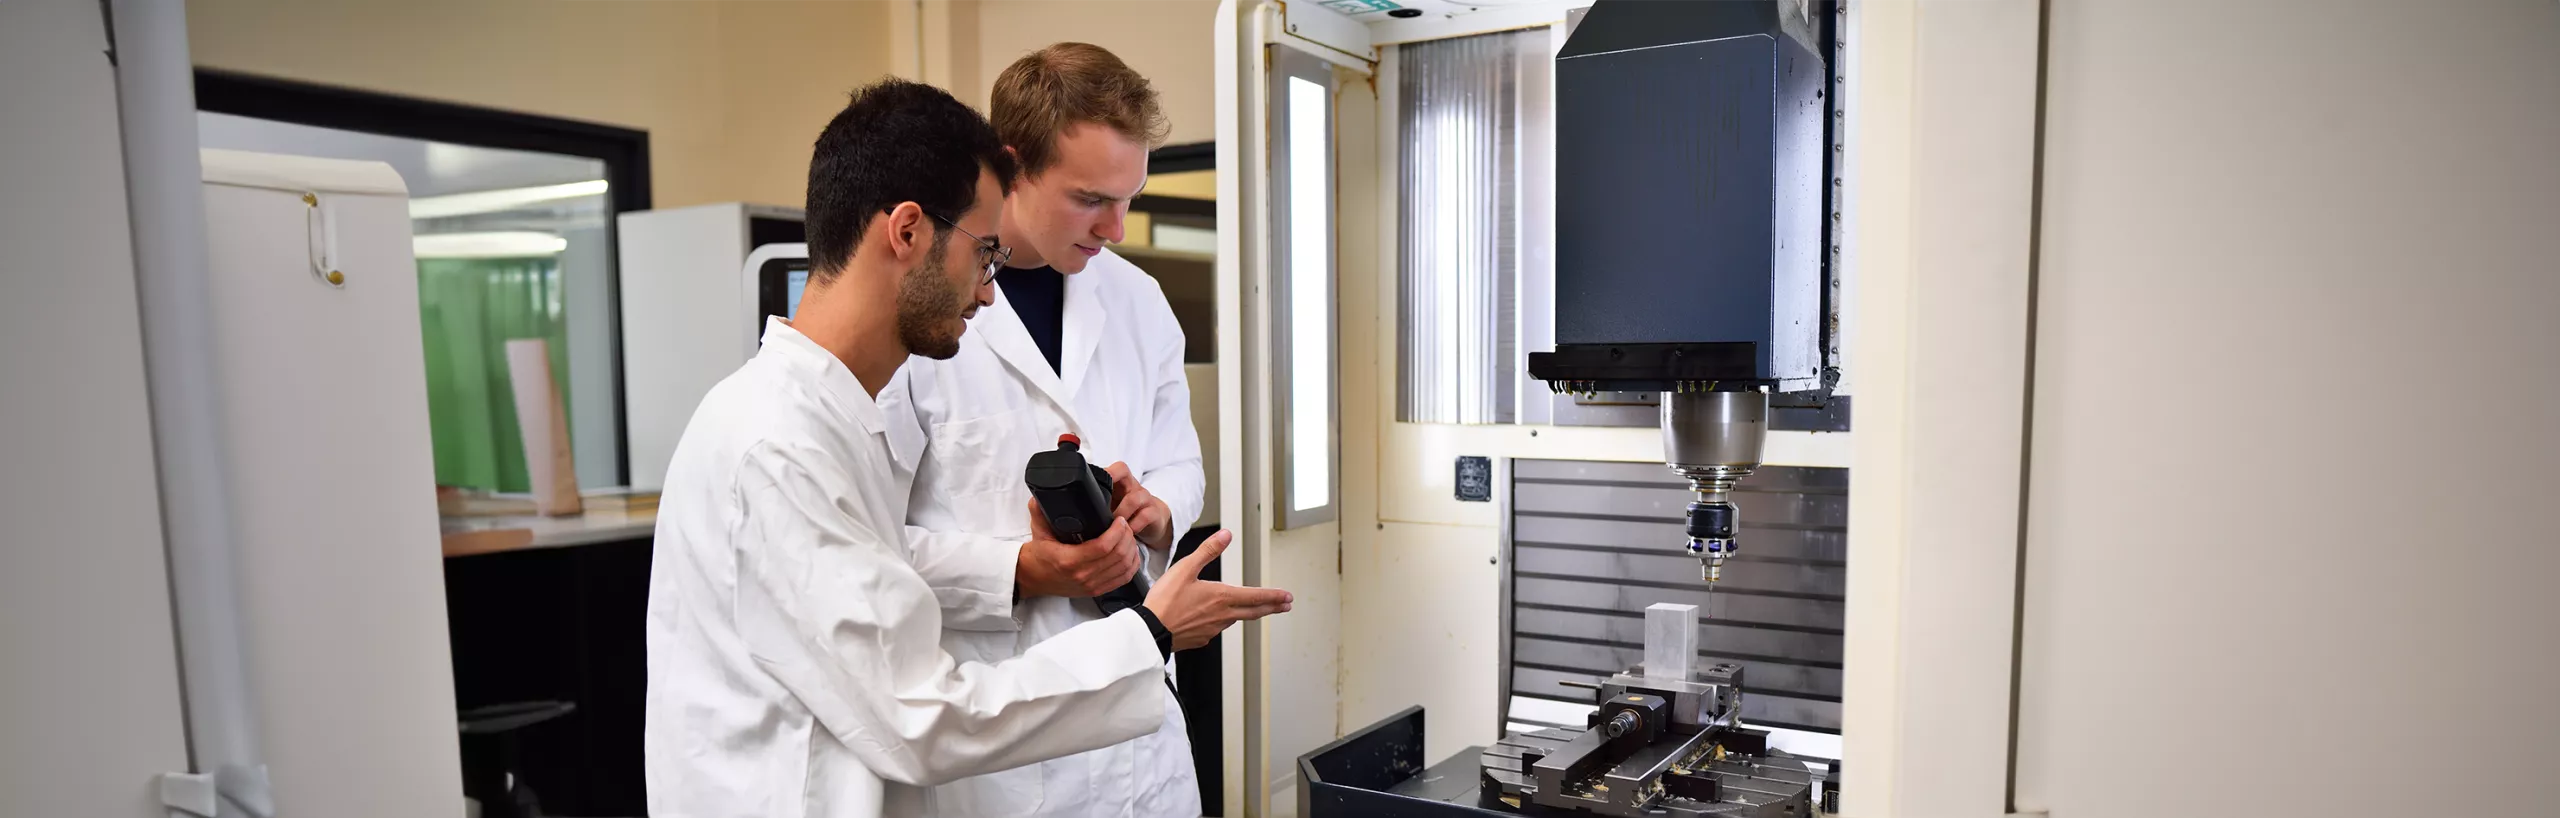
{"x": 1155, "y": 628}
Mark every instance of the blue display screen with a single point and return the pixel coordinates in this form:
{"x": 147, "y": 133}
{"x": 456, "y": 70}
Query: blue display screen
{"x": 797, "y": 281}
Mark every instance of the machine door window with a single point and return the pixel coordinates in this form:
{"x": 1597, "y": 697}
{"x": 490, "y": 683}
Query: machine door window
{"x": 1302, "y": 237}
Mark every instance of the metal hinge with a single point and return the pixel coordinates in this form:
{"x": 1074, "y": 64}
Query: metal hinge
{"x": 192, "y": 792}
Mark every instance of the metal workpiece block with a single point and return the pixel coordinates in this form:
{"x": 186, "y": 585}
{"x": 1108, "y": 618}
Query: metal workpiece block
{"x": 1690, "y": 701}
{"x": 1670, "y": 640}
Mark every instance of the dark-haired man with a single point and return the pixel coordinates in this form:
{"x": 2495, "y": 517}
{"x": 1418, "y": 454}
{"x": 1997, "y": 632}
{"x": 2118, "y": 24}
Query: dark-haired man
{"x": 794, "y": 668}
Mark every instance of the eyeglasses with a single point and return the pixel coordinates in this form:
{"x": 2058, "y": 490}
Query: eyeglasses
{"x": 991, "y": 256}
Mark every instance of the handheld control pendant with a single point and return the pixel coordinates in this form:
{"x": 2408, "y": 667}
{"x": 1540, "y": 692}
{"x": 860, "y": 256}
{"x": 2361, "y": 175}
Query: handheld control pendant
{"x": 1076, "y": 498}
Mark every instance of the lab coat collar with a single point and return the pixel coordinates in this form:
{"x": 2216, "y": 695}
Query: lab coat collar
{"x": 1004, "y": 333}
{"x": 1082, "y": 331}
{"x": 806, "y": 358}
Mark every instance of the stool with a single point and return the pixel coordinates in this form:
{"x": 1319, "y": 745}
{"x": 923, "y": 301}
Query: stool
{"x": 489, "y": 756}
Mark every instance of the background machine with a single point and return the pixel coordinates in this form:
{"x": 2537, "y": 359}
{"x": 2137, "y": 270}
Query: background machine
{"x": 1691, "y": 224}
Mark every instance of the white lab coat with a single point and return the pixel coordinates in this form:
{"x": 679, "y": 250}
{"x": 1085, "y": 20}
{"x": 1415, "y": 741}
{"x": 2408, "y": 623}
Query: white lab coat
{"x": 976, "y": 420}
{"x": 794, "y": 664}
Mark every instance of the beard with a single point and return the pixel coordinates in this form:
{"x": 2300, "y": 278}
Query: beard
{"x": 932, "y": 313}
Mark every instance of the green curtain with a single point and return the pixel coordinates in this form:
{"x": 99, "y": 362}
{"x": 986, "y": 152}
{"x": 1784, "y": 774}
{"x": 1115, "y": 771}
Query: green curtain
{"x": 469, "y": 309}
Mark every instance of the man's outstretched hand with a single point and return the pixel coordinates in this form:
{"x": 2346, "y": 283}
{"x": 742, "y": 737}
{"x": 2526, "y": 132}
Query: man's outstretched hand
{"x": 1195, "y": 609}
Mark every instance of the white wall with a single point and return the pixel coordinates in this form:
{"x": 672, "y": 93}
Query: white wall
{"x": 1166, "y": 40}
{"x": 962, "y": 45}
{"x": 2295, "y": 386}
{"x": 1882, "y": 87}
{"x": 1237, "y": 69}
{"x": 1947, "y": 114}
{"x": 732, "y": 94}
{"x": 89, "y": 709}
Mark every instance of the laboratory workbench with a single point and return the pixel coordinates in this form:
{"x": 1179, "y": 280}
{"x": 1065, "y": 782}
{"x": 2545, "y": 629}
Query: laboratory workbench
{"x": 485, "y": 524}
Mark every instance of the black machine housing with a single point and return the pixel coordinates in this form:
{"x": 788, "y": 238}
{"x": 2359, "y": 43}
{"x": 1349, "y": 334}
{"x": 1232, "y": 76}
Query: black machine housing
{"x": 1691, "y": 218}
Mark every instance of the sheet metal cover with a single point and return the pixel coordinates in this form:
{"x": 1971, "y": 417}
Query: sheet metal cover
{"x": 1622, "y": 25}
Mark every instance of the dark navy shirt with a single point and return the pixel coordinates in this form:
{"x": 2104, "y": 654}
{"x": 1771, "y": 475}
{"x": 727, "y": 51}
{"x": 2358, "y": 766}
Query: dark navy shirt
{"x": 1039, "y": 295}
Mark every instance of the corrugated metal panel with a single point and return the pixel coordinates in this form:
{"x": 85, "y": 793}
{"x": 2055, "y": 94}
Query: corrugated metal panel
{"x": 1460, "y": 114}
{"x": 1592, "y": 544}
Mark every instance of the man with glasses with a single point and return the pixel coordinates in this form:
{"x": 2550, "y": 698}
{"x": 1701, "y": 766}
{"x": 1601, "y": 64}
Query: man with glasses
{"x": 793, "y": 664}
{"x": 1077, "y": 341}
{"x": 991, "y": 255}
